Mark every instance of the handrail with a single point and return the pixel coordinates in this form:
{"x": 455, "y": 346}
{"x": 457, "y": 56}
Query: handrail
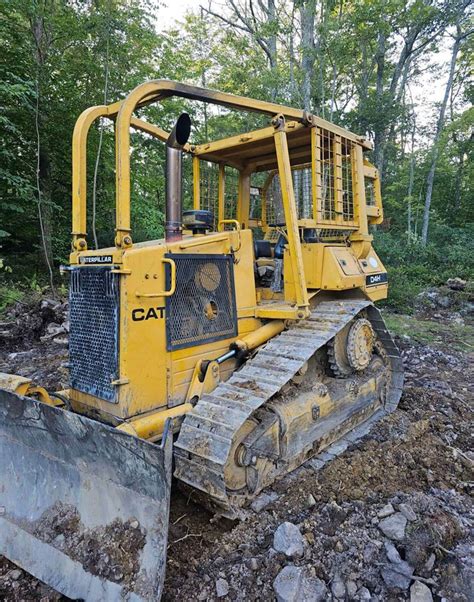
{"x": 79, "y": 164}
{"x": 79, "y": 173}
{"x": 221, "y": 226}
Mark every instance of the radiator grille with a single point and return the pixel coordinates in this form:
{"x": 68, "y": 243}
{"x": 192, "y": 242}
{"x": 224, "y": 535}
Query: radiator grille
{"x": 202, "y": 308}
{"x": 93, "y": 337}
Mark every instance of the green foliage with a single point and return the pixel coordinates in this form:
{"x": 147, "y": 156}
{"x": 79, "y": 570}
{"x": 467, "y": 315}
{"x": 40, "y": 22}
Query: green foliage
{"x": 351, "y": 80}
{"x": 413, "y": 267}
{"x": 8, "y": 296}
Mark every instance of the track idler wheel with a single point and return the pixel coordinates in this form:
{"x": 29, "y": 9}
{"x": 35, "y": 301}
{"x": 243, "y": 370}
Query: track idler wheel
{"x": 351, "y": 349}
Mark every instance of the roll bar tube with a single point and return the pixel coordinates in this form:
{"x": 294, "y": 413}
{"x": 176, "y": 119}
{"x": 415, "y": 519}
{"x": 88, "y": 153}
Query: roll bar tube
{"x": 122, "y": 112}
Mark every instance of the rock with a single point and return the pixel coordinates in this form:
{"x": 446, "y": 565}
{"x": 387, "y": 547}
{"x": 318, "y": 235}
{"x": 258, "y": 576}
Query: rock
{"x": 351, "y": 587}
{"x": 338, "y": 587}
{"x": 429, "y": 564}
{"x": 287, "y": 584}
{"x": 309, "y": 536}
{"x": 467, "y": 308}
{"x": 398, "y": 573}
{"x": 407, "y": 511}
{"x": 45, "y": 303}
{"x": 295, "y": 584}
{"x": 444, "y": 301}
{"x": 392, "y": 553}
{"x": 253, "y": 564}
{"x": 370, "y": 551}
{"x": 456, "y": 318}
{"x": 394, "y": 526}
{"x": 204, "y": 595}
{"x": 288, "y": 539}
{"x": 263, "y": 500}
{"x": 59, "y": 540}
{"x": 364, "y": 594}
{"x": 310, "y": 501}
{"x": 15, "y": 574}
{"x": 419, "y": 592}
{"x": 53, "y": 329}
{"x": 222, "y": 588}
{"x": 456, "y": 284}
{"x": 387, "y": 510}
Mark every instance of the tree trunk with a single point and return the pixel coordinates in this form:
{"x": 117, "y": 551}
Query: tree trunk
{"x": 439, "y": 129}
{"x": 272, "y": 39}
{"x": 334, "y": 70}
{"x": 307, "y": 14}
{"x": 41, "y": 41}
{"x": 410, "y": 183}
{"x": 363, "y": 88}
{"x": 379, "y": 129}
{"x": 458, "y": 183}
{"x": 291, "y": 52}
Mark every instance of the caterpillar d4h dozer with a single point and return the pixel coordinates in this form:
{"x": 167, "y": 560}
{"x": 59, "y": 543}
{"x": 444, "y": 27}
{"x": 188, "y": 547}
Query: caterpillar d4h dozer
{"x": 228, "y": 353}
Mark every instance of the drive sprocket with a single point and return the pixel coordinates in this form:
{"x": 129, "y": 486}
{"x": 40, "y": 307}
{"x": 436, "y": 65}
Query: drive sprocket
{"x": 351, "y": 349}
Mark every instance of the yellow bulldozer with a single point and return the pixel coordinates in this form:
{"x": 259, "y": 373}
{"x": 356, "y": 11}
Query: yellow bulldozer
{"x": 226, "y": 354}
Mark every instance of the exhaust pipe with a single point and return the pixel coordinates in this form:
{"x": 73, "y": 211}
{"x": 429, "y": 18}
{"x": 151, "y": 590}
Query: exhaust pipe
{"x": 174, "y": 193}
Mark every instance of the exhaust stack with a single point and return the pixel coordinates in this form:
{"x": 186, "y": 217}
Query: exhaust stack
{"x": 174, "y": 193}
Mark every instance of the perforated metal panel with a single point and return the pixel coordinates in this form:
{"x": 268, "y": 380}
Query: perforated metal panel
{"x": 94, "y": 330}
{"x": 202, "y": 308}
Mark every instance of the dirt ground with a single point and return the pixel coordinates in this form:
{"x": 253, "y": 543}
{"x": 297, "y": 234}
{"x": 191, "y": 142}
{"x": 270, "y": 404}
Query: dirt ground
{"x": 417, "y": 462}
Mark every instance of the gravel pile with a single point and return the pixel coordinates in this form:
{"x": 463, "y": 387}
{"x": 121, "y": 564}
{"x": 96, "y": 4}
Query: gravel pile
{"x": 389, "y": 519}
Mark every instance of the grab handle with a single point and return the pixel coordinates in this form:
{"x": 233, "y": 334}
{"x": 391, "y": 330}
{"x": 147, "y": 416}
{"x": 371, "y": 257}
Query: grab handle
{"x": 236, "y": 224}
{"x": 165, "y": 293}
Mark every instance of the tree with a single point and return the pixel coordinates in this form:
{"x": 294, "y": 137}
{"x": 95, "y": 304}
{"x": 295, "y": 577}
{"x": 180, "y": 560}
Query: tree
{"x": 258, "y": 20}
{"x": 458, "y": 38}
{"x": 352, "y": 61}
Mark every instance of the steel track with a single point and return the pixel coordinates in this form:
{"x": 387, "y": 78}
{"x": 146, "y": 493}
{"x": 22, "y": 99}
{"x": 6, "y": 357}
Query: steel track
{"x": 208, "y": 432}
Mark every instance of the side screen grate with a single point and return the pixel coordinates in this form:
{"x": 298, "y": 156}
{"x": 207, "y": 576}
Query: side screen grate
{"x": 93, "y": 336}
{"x": 202, "y": 308}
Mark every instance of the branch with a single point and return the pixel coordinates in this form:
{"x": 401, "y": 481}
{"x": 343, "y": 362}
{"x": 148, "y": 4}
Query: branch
{"x": 246, "y": 27}
{"x": 465, "y": 34}
{"x": 253, "y": 13}
{"x": 239, "y": 16}
{"x": 235, "y": 25}
{"x": 262, "y": 6}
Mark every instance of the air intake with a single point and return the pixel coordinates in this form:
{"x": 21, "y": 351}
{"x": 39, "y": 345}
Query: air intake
{"x": 203, "y": 307}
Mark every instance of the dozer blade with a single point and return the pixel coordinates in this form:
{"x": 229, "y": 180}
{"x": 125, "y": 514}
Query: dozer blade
{"x": 83, "y": 506}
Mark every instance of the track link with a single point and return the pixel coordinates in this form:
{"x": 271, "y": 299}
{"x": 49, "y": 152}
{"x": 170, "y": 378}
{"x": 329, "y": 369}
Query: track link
{"x": 209, "y": 430}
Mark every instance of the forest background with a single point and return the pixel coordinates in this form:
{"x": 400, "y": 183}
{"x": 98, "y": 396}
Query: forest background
{"x": 397, "y": 71}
